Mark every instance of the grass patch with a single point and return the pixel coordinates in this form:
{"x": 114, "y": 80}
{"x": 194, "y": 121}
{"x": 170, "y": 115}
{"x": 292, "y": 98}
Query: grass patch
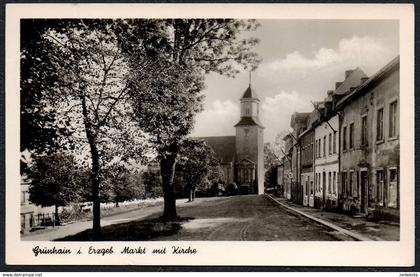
{"x": 141, "y": 230}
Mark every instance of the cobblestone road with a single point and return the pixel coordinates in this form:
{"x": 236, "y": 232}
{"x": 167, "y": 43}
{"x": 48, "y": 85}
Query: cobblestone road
{"x": 248, "y": 217}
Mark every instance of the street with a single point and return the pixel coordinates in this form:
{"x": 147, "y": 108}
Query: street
{"x": 235, "y": 218}
{"x": 247, "y": 218}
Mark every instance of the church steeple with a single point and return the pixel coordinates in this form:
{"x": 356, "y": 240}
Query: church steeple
{"x": 249, "y": 93}
{"x": 250, "y": 108}
{"x": 249, "y": 143}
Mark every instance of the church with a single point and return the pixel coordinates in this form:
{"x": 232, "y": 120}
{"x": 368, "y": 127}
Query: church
{"x": 242, "y": 156}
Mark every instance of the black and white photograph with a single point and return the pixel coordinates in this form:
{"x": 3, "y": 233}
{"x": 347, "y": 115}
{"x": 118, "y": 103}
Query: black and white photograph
{"x": 216, "y": 129}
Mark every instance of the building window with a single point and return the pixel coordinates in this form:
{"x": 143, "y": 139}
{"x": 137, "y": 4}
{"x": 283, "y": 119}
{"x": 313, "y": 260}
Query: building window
{"x": 393, "y": 119}
{"x": 344, "y": 138}
{"x": 393, "y": 188}
{"x": 22, "y": 197}
{"x": 380, "y": 125}
{"x": 317, "y": 182}
{"x": 329, "y": 183}
{"x": 351, "y": 134}
{"x": 334, "y": 182}
{"x": 329, "y": 144}
{"x": 351, "y": 177}
{"x": 247, "y": 111}
{"x": 319, "y": 148}
{"x": 323, "y": 146}
{"x": 335, "y": 142}
{"x": 318, "y": 153}
{"x": 344, "y": 183}
{"x": 312, "y": 187}
{"x": 380, "y": 187}
{"x": 307, "y": 187}
{"x": 357, "y": 186}
{"x": 364, "y": 131}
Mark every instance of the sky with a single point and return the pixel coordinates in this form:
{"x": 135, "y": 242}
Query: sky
{"x": 302, "y": 60}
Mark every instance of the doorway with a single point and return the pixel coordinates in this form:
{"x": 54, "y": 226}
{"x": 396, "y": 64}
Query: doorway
{"x": 363, "y": 190}
{"x": 323, "y": 188}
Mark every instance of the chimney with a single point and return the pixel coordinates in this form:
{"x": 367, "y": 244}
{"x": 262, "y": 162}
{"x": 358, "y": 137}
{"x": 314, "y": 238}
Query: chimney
{"x": 337, "y": 84}
{"x": 363, "y": 79}
{"x": 348, "y": 72}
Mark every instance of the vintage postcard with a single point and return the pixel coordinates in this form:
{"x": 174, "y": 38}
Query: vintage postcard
{"x": 210, "y": 134}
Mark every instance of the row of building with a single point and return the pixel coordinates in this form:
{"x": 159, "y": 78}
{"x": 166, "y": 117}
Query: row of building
{"x": 344, "y": 155}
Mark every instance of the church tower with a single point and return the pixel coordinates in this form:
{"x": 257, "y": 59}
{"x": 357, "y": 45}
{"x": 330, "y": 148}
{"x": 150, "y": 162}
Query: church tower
{"x": 250, "y": 145}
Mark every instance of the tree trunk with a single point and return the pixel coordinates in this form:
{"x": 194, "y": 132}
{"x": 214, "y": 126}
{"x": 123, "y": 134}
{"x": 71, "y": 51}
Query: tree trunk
{"x": 95, "y": 194}
{"x": 167, "y": 169}
{"x": 193, "y": 193}
{"x": 190, "y": 195}
{"x": 57, "y": 217}
{"x": 91, "y": 136}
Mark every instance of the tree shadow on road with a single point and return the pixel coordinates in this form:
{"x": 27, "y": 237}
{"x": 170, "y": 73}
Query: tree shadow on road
{"x": 141, "y": 230}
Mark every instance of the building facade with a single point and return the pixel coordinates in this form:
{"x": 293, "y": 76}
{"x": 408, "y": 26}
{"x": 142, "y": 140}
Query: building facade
{"x": 280, "y": 177}
{"x": 326, "y": 163}
{"x": 288, "y": 179}
{"x": 370, "y": 150}
{"x": 31, "y": 215}
{"x": 298, "y": 123}
{"x": 307, "y": 139}
{"x": 349, "y": 149}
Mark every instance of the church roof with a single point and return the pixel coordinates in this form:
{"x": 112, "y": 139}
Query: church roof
{"x": 249, "y": 93}
{"x": 223, "y": 146}
{"x": 248, "y": 121}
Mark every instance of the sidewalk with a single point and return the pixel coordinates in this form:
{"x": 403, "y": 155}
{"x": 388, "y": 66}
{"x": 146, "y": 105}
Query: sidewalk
{"x": 50, "y": 234}
{"x": 358, "y": 228}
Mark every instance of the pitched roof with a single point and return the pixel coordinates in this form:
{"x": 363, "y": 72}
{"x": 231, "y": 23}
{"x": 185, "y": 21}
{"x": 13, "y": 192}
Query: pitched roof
{"x": 382, "y": 73}
{"x": 352, "y": 80}
{"x": 223, "y": 146}
{"x": 248, "y": 121}
{"x": 249, "y": 93}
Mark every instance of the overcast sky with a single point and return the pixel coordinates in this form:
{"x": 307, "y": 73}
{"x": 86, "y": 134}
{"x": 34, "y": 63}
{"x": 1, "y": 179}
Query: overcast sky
{"x": 302, "y": 59}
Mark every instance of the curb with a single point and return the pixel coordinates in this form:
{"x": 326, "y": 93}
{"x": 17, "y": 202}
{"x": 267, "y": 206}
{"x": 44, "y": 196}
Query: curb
{"x": 323, "y": 222}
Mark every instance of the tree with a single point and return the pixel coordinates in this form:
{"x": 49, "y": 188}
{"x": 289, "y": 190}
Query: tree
{"x": 271, "y": 177}
{"x": 152, "y": 184}
{"x": 273, "y": 151}
{"x": 123, "y": 184}
{"x": 166, "y": 92}
{"x": 90, "y": 95}
{"x": 198, "y": 165}
{"x": 53, "y": 181}
{"x": 41, "y": 132}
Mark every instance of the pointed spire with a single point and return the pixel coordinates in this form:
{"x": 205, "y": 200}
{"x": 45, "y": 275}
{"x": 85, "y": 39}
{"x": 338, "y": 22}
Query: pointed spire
{"x": 249, "y": 93}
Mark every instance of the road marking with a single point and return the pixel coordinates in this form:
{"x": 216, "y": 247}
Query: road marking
{"x": 323, "y": 222}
